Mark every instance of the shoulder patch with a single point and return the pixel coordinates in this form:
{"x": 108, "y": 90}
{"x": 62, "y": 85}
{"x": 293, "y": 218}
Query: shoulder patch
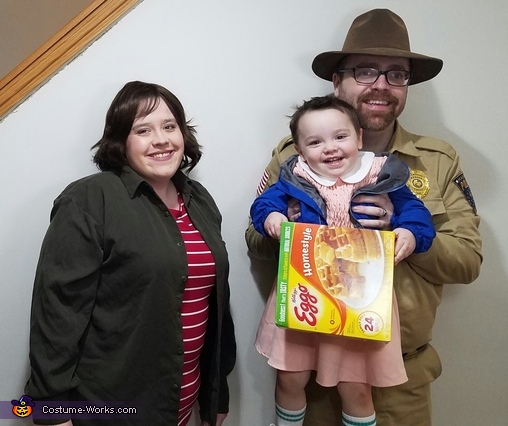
{"x": 462, "y": 184}
{"x": 262, "y": 183}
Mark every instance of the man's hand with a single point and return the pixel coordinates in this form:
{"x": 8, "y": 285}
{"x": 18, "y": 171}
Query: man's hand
{"x": 382, "y": 208}
{"x": 272, "y": 224}
{"x": 405, "y": 244}
{"x": 294, "y": 209}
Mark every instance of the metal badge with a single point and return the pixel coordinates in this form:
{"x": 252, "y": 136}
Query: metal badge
{"x": 418, "y": 183}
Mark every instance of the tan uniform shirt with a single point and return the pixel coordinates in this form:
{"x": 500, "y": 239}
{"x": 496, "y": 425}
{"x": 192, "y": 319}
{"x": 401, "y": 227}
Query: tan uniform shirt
{"x": 455, "y": 255}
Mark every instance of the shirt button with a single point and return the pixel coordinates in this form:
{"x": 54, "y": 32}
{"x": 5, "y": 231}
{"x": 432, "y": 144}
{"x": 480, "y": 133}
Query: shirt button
{"x": 166, "y": 213}
{"x": 175, "y": 386}
{"x": 179, "y": 244}
{"x": 183, "y": 278}
{"x": 179, "y": 351}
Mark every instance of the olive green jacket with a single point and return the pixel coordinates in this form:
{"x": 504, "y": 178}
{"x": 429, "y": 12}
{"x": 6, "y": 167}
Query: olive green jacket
{"x": 106, "y": 322}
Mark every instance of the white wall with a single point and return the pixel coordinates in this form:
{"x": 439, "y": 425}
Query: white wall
{"x": 238, "y": 66}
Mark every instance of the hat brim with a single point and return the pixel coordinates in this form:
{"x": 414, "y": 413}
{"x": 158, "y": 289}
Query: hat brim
{"x": 18, "y": 403}
{"x": 423, "y": 67}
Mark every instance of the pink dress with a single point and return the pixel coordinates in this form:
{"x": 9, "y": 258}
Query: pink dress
{"x": 334, "y": 358}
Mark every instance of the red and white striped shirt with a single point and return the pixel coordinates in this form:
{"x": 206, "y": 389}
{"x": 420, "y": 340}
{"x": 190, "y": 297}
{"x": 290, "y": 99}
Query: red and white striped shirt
{"x": 194, "y": 309}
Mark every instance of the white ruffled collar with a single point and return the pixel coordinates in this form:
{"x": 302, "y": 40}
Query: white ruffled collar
{"x": 358, "y": 173}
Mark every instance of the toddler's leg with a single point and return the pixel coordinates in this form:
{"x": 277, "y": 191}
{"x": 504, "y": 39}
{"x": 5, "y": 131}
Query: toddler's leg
{"x": 357, "y": 405}
{"x": 290, "y": 397}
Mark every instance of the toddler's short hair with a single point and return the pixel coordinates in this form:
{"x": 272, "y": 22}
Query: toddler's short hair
{"x": 320, "y": 103}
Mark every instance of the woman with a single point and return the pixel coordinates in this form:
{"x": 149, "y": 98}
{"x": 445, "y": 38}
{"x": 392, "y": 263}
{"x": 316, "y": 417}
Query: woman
{"x": 131, "y": 295}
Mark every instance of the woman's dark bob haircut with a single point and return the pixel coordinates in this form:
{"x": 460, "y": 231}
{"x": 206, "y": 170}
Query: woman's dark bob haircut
{"x": 138, "y": 99}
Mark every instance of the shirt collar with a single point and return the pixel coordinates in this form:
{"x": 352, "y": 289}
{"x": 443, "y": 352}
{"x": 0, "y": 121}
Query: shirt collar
{"x": 132, "y": 181}
{"x": 362, "y": 167}
{"x": 402, "y": 142}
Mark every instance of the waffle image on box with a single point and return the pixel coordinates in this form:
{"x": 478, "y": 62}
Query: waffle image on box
{"x": 335, "y": 280}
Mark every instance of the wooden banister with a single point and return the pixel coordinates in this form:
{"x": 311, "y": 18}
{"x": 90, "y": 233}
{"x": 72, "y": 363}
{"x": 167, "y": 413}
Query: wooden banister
{"x": 59, "y": 50}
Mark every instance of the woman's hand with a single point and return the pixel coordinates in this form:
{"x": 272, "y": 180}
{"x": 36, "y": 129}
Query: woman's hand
{"x": 219, "y": 421}
{"x": 272, "y": 224}
{"x": 382, "y": 208}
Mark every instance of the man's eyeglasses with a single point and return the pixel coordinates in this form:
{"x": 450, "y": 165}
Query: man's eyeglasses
{"x": 362, "y": 75}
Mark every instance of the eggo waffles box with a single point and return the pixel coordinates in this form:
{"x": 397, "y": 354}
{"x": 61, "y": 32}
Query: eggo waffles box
{"x": 335, "y": 280}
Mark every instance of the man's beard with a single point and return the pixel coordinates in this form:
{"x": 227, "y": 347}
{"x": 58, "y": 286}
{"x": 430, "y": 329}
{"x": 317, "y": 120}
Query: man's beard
{"x": 375, "y": 121}
{"x": 371, "y": 121}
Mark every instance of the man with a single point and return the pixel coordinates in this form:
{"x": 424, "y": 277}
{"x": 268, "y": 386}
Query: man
{"x": 372, "y": 72}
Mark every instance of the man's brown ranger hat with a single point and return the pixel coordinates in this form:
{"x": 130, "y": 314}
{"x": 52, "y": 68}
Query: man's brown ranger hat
{"x": 379, "y": 32}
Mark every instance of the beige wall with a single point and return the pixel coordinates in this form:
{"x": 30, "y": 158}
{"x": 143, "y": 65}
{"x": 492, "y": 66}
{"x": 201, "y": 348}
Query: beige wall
{"x": 27, "y": 24}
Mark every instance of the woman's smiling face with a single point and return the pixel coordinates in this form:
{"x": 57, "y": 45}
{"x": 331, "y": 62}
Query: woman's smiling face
{"x": 155, "y": 145}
